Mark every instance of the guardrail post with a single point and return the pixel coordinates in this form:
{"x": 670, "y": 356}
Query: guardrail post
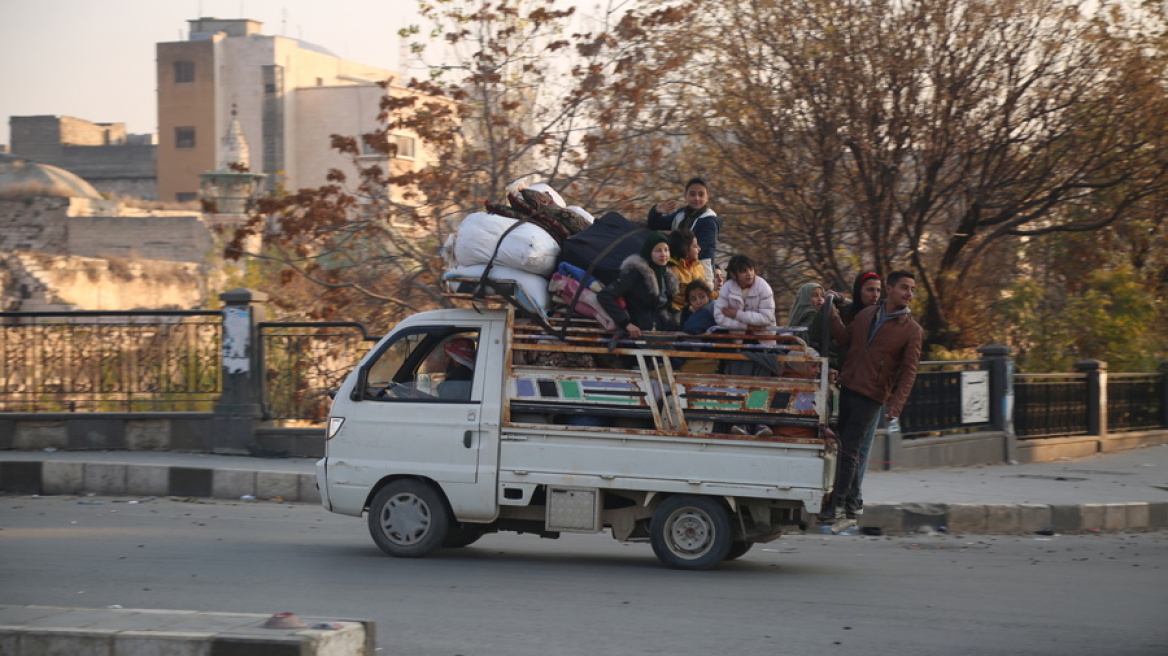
{"x": 1096, "y": 371}
{"x": 240, "y": 407}
{"x": 1001, "y": 367}
{"x": 1164, "y": 394}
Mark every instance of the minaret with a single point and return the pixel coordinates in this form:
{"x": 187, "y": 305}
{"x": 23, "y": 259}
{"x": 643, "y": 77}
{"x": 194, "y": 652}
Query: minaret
{"x": 234, "y": 150}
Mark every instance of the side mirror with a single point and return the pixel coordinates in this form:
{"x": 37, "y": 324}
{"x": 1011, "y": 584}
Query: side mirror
{"x": 358, "y": 391}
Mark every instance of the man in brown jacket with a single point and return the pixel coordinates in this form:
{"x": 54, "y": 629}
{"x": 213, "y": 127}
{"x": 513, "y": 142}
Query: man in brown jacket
{"x": 883, "y": 350}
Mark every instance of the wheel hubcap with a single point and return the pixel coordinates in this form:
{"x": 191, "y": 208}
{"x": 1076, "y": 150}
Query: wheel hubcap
{"x": 405, "y": 519}
{"x": 691, "y": 533}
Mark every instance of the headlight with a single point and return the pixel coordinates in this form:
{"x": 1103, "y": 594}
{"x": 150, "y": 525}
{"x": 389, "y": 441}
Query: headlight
{"x": 334, "y": 427}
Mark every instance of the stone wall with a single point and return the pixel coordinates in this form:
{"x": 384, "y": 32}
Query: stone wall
{"x": 151, "y": 237}
{"x": 118, "y": 284}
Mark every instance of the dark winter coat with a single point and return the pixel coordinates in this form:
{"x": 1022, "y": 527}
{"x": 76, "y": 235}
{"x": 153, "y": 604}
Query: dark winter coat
{"x": 883, "y": 367}
{"x": 646, "y": 304}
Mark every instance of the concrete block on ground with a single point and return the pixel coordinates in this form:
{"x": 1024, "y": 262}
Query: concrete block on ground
{"x": 1114, "y": 516}
{"x": 1158, "y": 514}
{"x": 883, "y": 515}
{"x": 22, "y": 477}
{"x": 967, "y": 518}
{"x": 1034, "y": 517}
{"x": 915, "y": 516}
{"x": 1138, "y": 515}
{"x": 55, "y": 631}
{"x": 1002, "y": 519}
{"x": 307, "y": 488}
{"x": 105, "y": 478}
{"x": 63, "y": 642}
{"x": 7, "y": 434}
{"x": 1091, "y": 517}
{"x": 233, "y": 483}
{"x": 88, "y": 434}
{"x": 152, "y": 643}
{"x": 148, "y": 434}
{"x": 148, "y": 480}
{"x": 38, "y": 435}
{"x": 285, "y": 485}
{"x": 1066, "y": 519}
{"x": 63, "y": 477}
{"x": 191, "y": 481}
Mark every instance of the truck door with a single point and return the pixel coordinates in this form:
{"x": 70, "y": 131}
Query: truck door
{"x": 421, "y": 413}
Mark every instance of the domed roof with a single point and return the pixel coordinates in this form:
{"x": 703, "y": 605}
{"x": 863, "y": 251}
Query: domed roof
{"x": 22, "y": 177}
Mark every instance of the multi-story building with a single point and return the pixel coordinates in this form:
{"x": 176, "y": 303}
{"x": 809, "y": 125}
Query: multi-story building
{"x": 289, "y": 96}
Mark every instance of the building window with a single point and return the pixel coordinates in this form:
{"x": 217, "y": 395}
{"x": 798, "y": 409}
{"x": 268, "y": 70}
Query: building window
{"x": 404, "y": 146}
{"x": 186, "y": 196}
{"x": 184, "y": 137}
{"x": 184, "y": 71}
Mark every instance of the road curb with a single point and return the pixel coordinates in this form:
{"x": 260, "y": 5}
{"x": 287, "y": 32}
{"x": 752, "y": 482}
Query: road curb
{"x": 1004, "y": 519}
{"x": 47, "y": 477}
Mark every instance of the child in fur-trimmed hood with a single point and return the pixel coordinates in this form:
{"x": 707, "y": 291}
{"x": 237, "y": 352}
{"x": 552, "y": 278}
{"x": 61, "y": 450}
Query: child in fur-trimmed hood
{"x": 648, "y": 287}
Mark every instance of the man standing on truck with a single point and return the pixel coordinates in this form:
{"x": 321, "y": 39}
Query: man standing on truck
{"x": 883, "y": 347}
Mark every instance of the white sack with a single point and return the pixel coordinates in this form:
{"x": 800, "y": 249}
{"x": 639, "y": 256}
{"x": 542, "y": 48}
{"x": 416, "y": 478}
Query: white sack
{"x": 527, "y": 248}
{"x": 534, "y": 294}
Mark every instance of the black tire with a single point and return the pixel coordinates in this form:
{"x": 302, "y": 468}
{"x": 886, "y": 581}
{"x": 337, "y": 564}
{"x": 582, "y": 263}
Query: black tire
{"x": 690, "y": 532}
{"x": 738, "y": 549}
{"x": 462, "y": 535}
{"x": 408, "y": 519}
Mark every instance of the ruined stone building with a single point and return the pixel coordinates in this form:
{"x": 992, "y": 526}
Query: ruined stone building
{"x": 64, "y": 247}
{"x": 117, "y": 164}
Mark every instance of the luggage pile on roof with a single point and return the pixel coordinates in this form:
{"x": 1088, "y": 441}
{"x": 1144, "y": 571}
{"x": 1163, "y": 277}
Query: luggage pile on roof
{"x": 556, "y": 254}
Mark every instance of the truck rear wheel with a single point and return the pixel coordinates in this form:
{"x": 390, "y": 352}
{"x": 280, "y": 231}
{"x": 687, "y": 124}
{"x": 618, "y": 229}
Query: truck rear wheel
{"x": 408, "y": 519}
{"x": 690, "y": 532}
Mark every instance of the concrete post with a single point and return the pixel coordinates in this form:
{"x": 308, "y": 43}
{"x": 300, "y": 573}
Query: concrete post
{"x": 239, "y": 408}
{"x": 998, "y": 361}
{"x": 1164, "y": 394}
{"x": 1096, "y": 371}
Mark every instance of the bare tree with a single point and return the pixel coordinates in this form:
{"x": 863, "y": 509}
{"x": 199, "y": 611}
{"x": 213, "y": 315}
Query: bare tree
{"x": 514, "y": 92}
{"x": 884, "y": 133}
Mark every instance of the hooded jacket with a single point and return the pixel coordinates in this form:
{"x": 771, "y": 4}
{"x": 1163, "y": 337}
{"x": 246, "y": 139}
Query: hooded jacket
{"x": 883, "y": 367}
{"x": 706, "y": 228}
{"x": 647, "y": 305}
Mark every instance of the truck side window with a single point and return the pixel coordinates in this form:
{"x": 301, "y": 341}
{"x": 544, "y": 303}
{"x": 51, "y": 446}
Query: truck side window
{"x": 429, "y": 365}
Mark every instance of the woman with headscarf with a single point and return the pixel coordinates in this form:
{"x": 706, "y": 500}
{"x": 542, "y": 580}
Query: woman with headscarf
{"x": 808, "y": 301}
{"x": 647, "y": 286}
{"x": 865, "y": 292}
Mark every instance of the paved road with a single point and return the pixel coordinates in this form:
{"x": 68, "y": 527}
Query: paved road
{"x": 519, "y": 595}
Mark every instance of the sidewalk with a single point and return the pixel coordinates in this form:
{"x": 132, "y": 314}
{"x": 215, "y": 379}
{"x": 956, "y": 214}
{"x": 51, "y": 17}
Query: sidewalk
{"x": 1126, "y": 490}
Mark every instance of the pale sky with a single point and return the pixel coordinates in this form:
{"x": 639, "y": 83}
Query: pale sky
{"x": 94, "y": 59}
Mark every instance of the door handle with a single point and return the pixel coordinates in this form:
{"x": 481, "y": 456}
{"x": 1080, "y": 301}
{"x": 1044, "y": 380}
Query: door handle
{"x": 466, "y": 439}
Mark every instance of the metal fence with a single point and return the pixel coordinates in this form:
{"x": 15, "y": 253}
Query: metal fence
{"x": 1047, "y": 405}
{"x": 946, "y": 397}
{"x": 1133, "y": 401}
{"x": 171, "y": 360}
{"x": 304, "y": 362}
{"x": 110, "y": 361}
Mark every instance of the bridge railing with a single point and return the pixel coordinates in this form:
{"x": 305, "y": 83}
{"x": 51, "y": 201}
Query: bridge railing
{"x": 172, "y": 360}
{"x": 158, "y": 360}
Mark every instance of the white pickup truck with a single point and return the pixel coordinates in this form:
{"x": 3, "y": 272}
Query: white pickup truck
{"x": 547, "y": 434}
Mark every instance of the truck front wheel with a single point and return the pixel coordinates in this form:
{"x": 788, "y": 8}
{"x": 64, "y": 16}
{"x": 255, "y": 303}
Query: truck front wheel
{"x": 690, "y": 532}
{"x": 408, "y": 519}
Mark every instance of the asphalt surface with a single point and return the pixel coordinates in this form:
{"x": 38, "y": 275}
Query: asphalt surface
{"x": 1125, "y": 490}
